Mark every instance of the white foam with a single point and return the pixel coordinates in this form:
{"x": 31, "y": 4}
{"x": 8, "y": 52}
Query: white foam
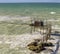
{"x": 9, "y": 18}
{"x": 52, "y": 12}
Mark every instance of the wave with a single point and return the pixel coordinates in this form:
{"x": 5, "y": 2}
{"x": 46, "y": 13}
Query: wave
{"x": 9, "y": 18}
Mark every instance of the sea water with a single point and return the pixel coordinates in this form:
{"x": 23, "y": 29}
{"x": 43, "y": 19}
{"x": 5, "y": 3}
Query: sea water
{"x": 23, "y": 10}
{"x": 11, "y": 11}
{"x": 43, "y": 10}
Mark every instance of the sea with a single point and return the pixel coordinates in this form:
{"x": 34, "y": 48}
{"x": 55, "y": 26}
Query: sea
{"x": 22, "y": 10}
{"x": 49, "y": 11}
{"x": 41, "y": 10}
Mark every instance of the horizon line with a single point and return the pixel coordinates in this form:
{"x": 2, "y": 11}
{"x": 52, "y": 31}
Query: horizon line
{"x": 30, "y": 2}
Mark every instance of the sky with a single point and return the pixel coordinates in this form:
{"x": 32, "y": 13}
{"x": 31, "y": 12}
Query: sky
{"x": 20, "y": 1}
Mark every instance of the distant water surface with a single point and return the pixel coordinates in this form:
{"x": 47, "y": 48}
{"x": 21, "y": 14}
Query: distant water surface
{"x": 30, "y": 9}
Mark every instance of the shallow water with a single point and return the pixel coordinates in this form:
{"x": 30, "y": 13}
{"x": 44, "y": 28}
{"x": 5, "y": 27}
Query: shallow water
{"x": 15, "y": 12}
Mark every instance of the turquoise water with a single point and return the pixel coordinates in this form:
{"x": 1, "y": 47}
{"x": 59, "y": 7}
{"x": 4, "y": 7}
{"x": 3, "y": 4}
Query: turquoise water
{"x": 30, "y": 9}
